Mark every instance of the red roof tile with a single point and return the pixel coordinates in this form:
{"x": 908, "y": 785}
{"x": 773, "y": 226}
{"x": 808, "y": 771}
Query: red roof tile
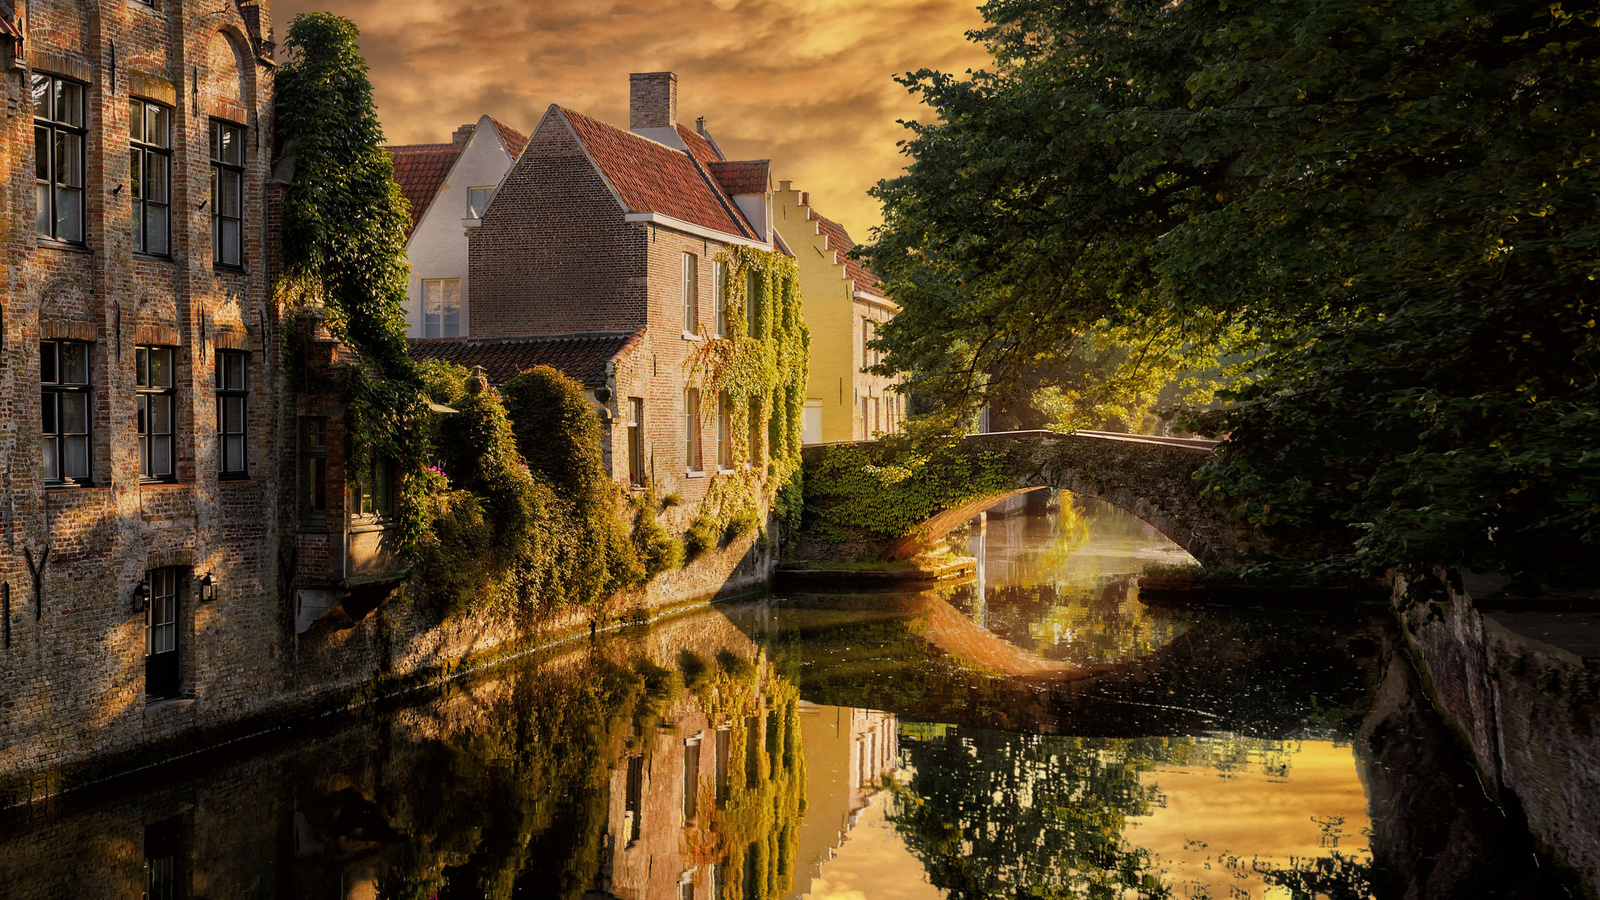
{"x": 700, "y": 147}
{"x": 751, "y": 176}
{"x": 580, "y": 356}
{"x": 513, "y": 139}
{"x": 839, "y": 239}
{"x": 652, "y": 177}
{"x": 420, "y": 169}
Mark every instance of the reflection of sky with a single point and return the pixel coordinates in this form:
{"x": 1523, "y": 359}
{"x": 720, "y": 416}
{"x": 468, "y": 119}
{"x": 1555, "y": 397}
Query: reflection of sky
{"x": 807, "y": 85}
{"x": 873, "y": 864}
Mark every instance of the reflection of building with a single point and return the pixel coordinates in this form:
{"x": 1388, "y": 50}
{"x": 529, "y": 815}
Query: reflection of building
{"x": 708, "y": 796}
{"x": 849, "y": 752}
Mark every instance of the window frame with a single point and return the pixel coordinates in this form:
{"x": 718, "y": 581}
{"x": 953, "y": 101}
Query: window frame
{"x": 372, "y": 492}
{"x": 51, "y": 394}
{"x": 693, "y": 452}
{"x": 691, "y": 293}
{"x": 219, "y": 168}
{"x": 719, "y": 297}
{"x": 724, "y": 433}
{"x": 636, "y": 466}
{"x": 142, "y": 151}
{"x": 226, "y": 394}
{"x": 445, "y": 310}
{"x": 147, "y": 394}
{"x": 164, "y": 584}
{"x": 313, "y": 453}
{"x": 474, "y": 212}
{"x": 55, "y": 128}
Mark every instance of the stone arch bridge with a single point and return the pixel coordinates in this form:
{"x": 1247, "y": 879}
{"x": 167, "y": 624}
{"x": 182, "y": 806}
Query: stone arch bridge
{"x": 1150, "y": 477}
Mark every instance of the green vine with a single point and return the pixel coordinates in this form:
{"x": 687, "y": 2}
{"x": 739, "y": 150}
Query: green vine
{"x": 760, "y": 367}
{"x": 886, "y": 490}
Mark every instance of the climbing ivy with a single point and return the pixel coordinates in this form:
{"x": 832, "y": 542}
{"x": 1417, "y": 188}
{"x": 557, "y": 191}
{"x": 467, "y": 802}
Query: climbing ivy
{"x": 885, "y": 490}
{"x": 344, "y": 254}
{"x": 760, "y": 367}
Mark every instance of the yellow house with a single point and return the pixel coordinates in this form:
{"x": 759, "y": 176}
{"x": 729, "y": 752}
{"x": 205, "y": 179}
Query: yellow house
{"x": 844, "y": 307}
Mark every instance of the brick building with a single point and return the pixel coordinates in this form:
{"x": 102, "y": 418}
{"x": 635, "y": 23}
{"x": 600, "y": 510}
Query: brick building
{"x": 449, "y": 186}
{"x": 138, "y": 424}
{"x": 605, "y": 237}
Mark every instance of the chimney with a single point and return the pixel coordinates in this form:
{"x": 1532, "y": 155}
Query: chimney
{"x": 652, "y": 100}
{"x": 462, "y": 135}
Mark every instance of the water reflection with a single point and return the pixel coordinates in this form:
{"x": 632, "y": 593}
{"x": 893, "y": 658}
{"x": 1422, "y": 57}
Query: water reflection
{"x": 848, "y": 747}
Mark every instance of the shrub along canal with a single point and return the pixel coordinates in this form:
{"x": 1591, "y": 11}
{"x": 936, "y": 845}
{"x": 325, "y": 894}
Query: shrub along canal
{"x": 1041, "y": 732}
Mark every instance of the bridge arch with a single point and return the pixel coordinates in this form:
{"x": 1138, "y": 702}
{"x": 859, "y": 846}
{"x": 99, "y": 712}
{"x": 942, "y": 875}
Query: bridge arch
{"x": 1152, "y": 478}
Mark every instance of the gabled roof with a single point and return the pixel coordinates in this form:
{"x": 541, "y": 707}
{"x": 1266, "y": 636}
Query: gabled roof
{"x": 839, "y": 240}
{"x": 513, "y": 139}
{"x": 581, "y": 356}
{"x": 701, "y": 147}
{"x": 750, "y": 176}
{"x": 650, "y": 177}
{"x": 420, "y": 169}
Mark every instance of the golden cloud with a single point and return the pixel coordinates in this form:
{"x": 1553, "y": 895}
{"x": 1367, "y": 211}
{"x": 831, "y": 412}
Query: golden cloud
{"x": 808, "y": 85}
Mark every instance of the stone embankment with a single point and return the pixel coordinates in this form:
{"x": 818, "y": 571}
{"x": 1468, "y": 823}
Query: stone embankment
{"x": 1519, "y": 680}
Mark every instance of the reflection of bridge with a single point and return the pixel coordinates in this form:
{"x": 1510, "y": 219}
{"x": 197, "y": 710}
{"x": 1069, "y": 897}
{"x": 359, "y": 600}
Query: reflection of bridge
{"x": 1151, "y": 477}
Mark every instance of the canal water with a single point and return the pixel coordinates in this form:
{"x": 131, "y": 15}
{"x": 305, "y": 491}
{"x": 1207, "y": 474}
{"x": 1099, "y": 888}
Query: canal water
{"x": 1042, "y": 732}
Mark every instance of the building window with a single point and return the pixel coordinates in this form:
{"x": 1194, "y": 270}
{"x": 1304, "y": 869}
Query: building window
{"x": 64, "y": 379}
{"x": 58, "y": 140}
{"x": 161, "y": 661}
{"x": 720, "y": 760}
{"x": 633, "y": 798}
{"x": 314, "y": 471}
{"x": 719, "y": 297}
{"x": 752, "y": 301}
{"x": 372, "y": 491}
{"x": 478, "y": 201}
{"x": 724, "y": 433}
{"x": 157, "y": 403}
{"x": 231, "y": 414}
{"x": 636, "y": 441}
{"x": 866, "y": 418}
{"x": 691, "y": 779}
{"x": 866, "y": 336}
{"x": 691, "y": 429}
{"x": 755, "y": 432}
{"x": 227, "y": 195}
{"x": 441, "y": 307}
{"x": 691, "y": 293}
{"x": 165, "y": 861}
{"x": 150, "y": 172}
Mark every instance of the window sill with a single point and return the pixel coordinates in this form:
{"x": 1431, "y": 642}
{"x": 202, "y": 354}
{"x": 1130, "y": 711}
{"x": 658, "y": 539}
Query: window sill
{"x": 156, "y": 704}
{"x": 159, "y": 482}
{"x": 221, "y": 269}
{"x": 46, "y": 243}
{"x": 691, "y": 336}
{"x": 723, "y": 470}
{"x": 153, "y": 257}
{"x": 233, "y": 476}
{"x": 67, "y": 485}
{"x": 694, "y": 473}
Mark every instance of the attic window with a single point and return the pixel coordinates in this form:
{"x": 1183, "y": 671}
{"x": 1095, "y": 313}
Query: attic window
{"x": 478, "y": 200}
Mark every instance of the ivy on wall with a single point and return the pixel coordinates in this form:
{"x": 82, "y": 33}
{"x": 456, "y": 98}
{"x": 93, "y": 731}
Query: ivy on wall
{"x": 759, "y": 369}
{"x": 887, "y": 489}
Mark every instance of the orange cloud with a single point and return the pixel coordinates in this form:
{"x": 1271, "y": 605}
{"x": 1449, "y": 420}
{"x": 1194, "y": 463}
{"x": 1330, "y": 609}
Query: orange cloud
{"x": 809, "y": 85}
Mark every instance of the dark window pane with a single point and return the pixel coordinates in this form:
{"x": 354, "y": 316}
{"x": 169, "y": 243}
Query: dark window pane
{"x": 41, "y": 96}
{"x": 74, "y": 362}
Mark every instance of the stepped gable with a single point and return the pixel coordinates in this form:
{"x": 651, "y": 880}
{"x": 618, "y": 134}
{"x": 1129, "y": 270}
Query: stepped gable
{"x": 581, "y": 356}
{"x": 650, "y": 177}
{"x": 512, "y": 138}
{"x": 420, "y": 170}
{"x": 839, "y": 241}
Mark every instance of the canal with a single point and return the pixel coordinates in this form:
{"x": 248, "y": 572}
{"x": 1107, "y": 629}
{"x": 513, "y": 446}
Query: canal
{"x": 1042, "y": 732}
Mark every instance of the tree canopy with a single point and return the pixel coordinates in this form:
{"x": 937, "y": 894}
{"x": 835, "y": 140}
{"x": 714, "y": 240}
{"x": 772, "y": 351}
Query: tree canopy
{"x": 1384, "y": 213}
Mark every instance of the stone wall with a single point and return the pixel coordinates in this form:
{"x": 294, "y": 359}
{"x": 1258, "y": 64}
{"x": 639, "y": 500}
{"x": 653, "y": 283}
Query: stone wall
{"x": 1528, "y": 708}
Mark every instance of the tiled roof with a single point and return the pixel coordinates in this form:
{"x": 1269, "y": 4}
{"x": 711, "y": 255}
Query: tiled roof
{"x": 838, "y": 239}
{"x": 420, "y": 169}
{"x": 581, "y": 356}
{"x": 751, "y": 176}
{"x": 513, "y": 139}
{"x": 652, "y": 177}
{"x": 700, "y": 147}
{"x": 8, "y": 25}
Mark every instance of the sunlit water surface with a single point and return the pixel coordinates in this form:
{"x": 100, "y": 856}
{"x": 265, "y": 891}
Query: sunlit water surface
{"x": 848, "y": 746}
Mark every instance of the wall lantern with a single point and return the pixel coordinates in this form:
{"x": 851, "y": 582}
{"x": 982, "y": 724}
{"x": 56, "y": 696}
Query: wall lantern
{"x": 141, "y": 597}
{"x": 208, "y": 588}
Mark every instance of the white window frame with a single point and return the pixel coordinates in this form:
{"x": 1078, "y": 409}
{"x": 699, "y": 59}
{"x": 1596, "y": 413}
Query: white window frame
{"x": 691, "y": 293}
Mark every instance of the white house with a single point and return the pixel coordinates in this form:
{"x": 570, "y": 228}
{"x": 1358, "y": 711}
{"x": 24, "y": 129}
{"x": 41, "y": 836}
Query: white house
{"x": 449, "y": 186}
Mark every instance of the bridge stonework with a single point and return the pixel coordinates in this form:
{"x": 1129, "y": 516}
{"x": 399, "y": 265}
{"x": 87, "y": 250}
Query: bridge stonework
{"x": 1152, "y": 478}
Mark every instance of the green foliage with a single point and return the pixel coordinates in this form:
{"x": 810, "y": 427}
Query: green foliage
{"x": 888, "y": 489}
{"x": 658, "y": 550}
{"x": 343, "y": 233}
{"x": 760, "y": 373}
{"x": 509, "y": 538}
{"x": 1385, "y": 210}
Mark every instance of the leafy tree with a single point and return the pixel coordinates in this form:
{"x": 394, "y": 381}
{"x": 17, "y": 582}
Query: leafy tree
{"x": 1388, "y": 208}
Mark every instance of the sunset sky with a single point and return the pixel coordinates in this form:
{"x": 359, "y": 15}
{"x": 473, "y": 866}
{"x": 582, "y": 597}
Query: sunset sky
{"x": 809, "y": 85}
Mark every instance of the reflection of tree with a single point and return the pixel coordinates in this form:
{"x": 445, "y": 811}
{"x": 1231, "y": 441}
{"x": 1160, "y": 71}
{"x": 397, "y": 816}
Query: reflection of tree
{"x": 992, "y": 814}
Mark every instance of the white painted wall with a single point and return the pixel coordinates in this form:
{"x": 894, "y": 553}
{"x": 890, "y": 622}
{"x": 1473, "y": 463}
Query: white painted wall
{"x": 438, "y": 246}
